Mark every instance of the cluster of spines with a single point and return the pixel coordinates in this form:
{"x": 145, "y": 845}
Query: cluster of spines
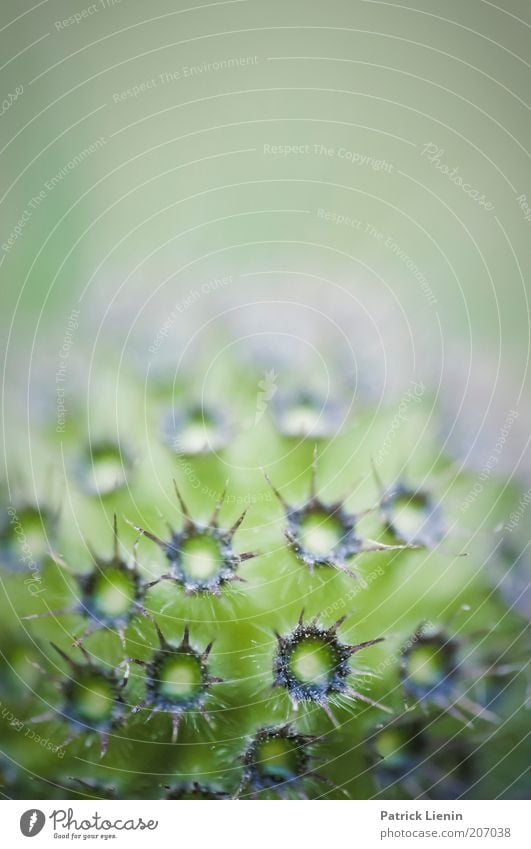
{"x": 92, "y": 698}
{"x": 108, "y": 575}
{"x": 277, "y": 759}
{"x": 169, "y": 679}
{"x": 225, "y": 561}
{"x": 410, "y": 754}
{"x": 348, "y": 543}
{"x": 319, "y": 686}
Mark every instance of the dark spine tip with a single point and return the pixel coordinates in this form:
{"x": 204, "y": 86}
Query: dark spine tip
{"x": 184, "y": 508}
{"x": 63, "y": 654}
{"x": 338, "y": 624}
{"x": 366, "y": 644}
{"x": 204, "y": 656}
{"x": 162, "y": 641}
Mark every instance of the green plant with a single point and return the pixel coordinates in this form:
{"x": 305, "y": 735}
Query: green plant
{"x": 196, "y": 625}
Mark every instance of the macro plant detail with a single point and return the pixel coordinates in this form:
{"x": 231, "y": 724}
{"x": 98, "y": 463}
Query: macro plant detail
{"x": 423, "y": 758}
{"x": 279, "y": 760}
{"x": 430, "y": 665}
{"x": 325, "y": 534}
{"x": 265, "y": 321}
{"x": 412, "y": 515}
{"x": 92, "y": 698}
{"x": 177, "y": 680}
{"x": 189, "y": 689}
{"x": 201, "y": 556}
{"x": 110, "y": 594}
{"x": 312, "y": 664}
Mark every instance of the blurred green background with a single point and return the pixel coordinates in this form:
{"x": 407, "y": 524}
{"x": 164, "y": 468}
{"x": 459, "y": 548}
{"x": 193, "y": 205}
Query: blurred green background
{"x": 283, "y": 145}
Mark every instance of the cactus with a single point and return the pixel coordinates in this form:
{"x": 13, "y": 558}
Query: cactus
{"x": 321, "y": 625}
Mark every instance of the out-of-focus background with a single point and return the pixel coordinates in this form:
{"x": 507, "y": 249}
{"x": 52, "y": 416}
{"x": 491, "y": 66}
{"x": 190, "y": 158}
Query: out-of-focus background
{"x": 366, "y": 160}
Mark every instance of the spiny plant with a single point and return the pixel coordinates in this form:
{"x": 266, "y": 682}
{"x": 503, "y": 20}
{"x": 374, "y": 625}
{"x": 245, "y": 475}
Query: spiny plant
{"x": 310, "y": 629}
{"x": 178, "y": 680}
{"x": 201, "y": 557}
{"x": 312, "y": 664}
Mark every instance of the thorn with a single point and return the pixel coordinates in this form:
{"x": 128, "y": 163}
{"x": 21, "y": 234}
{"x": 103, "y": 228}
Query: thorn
{"x": 157, "y": 581}
{"x": 313, "y": 478}
{"x": 63, "y": 655}
{"x": 326, "y": 707}
{"x": 478, "y": 711}
{"x": 127, "y": 670}
{"x": 152, "y": 714}
{"x": 162, "y": 641}
{"x": 91, "y": 627}
{"x": 333, "y": 628}
{"x": 85, "y": 654}
{"x": 367, "y": 511}
{"x": 42, "y": 717}
{"x": 360, "y": 646}
{"x": 342, "y": 567}
{"x": 248, "y": 555}
{"x": 275, "y": 490}
{"x": 318, "y": 777}
{"x": 219, "y": 505}
{"x": 58, "y": 612}
{"x": 206, "y": 652}
{"x": 58, "y": 560}
{"x": 116, "y": 544}
{"x": 373, "y": 545}
{"x": 134, "y": 566}
{"x": 148, "y": 534}
{"x": 356, "y": 695}
{"x": 184, "y": 508}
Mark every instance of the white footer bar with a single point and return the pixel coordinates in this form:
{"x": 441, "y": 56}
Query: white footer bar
{"x": 264, "y": 825}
